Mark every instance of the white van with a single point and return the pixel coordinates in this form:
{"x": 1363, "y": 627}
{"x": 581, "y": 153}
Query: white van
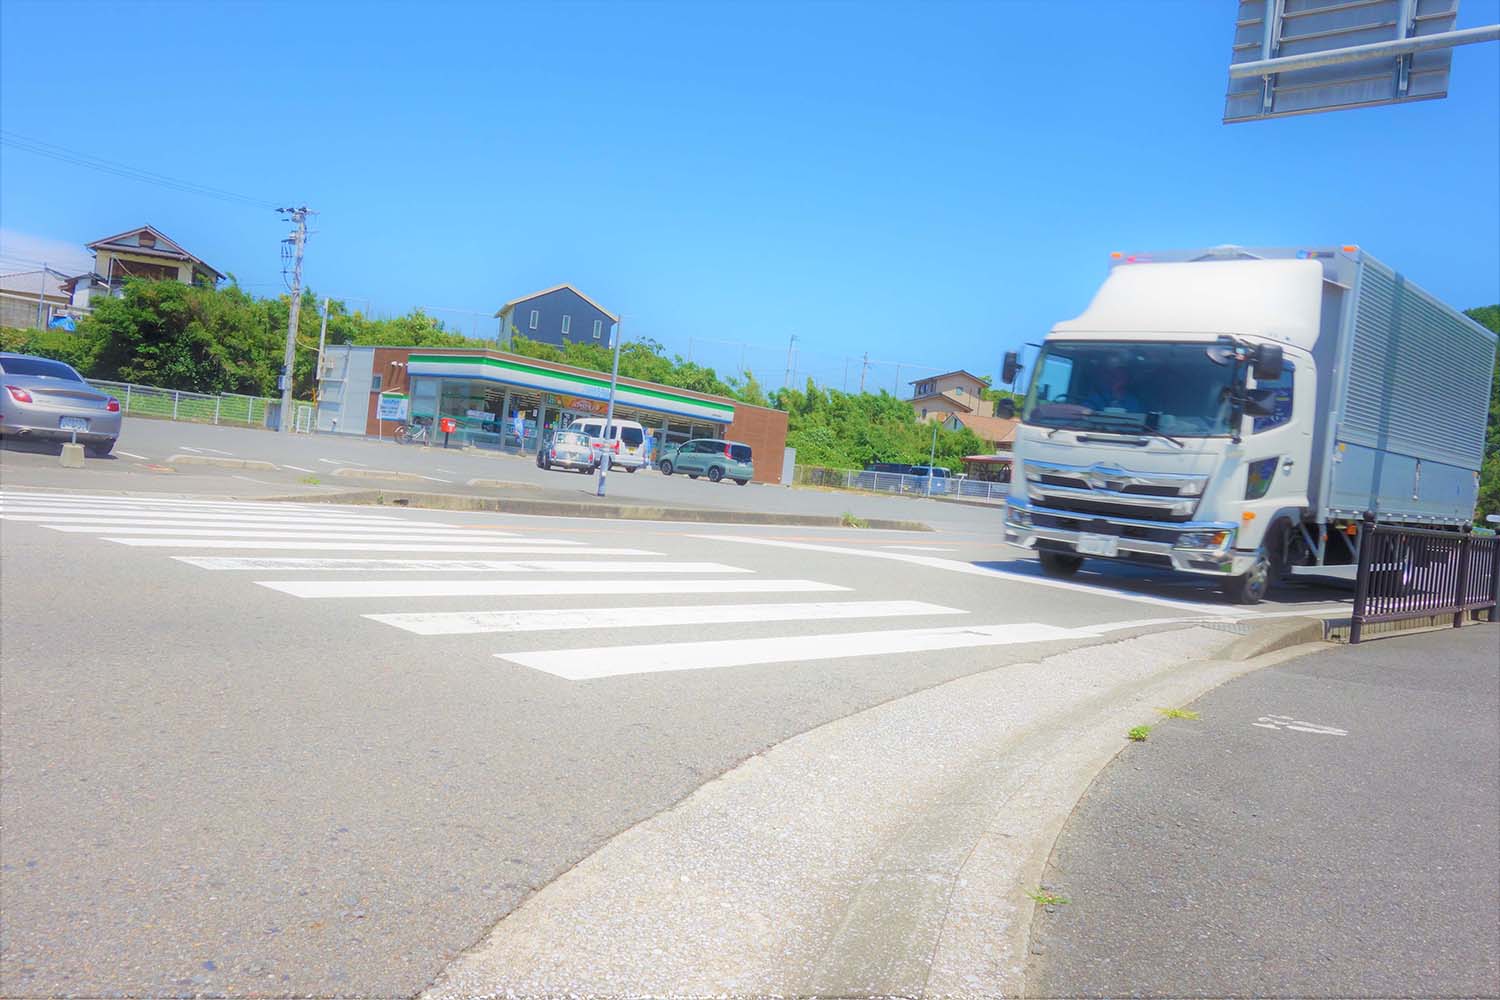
{"x": 627, "y": 440}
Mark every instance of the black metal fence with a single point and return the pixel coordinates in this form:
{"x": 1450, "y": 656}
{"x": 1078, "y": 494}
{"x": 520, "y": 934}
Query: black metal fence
{"x": 1409, "y": 573}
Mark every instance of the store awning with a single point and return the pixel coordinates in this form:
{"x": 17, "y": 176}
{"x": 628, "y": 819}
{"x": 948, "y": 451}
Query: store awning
{"x": 659, "y": 399}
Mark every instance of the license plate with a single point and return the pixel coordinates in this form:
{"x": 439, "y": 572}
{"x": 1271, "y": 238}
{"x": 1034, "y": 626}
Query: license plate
{"x": 73, "y": 423}
{"x": 1098, "y": 545}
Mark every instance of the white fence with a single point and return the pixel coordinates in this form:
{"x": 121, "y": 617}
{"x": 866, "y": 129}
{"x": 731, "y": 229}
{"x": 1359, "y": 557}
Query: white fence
{"x": 909, "y": 485}
{"x": 197, "y": 407}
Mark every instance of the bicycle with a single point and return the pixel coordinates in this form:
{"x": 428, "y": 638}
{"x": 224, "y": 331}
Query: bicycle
{"x": 412, "y": 434}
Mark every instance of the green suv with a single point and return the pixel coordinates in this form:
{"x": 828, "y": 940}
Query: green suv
{"x": 709, "y": 457}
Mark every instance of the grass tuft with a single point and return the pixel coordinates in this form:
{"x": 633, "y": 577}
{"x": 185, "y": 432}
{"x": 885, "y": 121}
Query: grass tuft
{"x": 849, "y": 520}
{"x": 1177, "y": 713}
{"x": 1138, "y": 734}
{"x": 1042, "y": 897}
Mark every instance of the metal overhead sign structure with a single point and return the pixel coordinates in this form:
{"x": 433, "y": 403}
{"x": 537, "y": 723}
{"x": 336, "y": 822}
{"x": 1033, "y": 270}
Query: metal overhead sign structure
{"x": 1297, "y": 57}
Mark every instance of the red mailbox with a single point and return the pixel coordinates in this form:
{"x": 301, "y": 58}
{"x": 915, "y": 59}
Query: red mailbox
{"x": 447, "y": 425}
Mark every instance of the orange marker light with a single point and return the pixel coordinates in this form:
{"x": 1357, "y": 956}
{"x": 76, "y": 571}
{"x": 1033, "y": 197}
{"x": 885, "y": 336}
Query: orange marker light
{"x": 1350, "y": 248}
{"x": 1115, "y": 255}
{"x": 1249, "y": 515}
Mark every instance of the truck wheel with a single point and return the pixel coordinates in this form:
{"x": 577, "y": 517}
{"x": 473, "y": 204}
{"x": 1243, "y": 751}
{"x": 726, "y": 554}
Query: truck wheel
{"x": 715, "y": 474}
{"x": 1252, "y": 587}
{"x": 666, "y": 468}
{"x": 1060, "y": 563}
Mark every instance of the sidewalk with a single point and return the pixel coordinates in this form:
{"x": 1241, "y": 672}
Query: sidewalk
{"x": 1244, "y": 854}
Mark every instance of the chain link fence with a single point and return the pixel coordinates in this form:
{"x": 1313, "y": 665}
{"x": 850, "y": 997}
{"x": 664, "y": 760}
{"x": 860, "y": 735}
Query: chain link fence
{"x": 904, "y": 483}
{"x": 198, "y": 407}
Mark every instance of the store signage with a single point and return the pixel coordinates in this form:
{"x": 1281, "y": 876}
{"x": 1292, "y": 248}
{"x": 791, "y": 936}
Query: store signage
{"x": 391, "y": 407}
{"x": 481, "y": 415}
{"x": 577, "y": 404}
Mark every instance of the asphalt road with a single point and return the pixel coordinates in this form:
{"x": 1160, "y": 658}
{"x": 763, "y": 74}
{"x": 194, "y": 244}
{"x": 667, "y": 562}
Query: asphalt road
{"x": 222, "y": 775}
{"x": 1328, "y": 828}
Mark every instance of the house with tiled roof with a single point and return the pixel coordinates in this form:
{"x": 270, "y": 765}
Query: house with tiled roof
{"x": 142, "y": 252}
{"x": 936, "y": 397}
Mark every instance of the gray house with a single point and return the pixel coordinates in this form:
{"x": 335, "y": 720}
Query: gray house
{"x": 557, "y": 315}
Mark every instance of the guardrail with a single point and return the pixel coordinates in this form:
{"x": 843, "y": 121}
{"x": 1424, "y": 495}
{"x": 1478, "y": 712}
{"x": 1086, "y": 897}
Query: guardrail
{"x": 895, "y": 482}
{"x": 199, "y": 407}
{"x": 1406, "y": 573}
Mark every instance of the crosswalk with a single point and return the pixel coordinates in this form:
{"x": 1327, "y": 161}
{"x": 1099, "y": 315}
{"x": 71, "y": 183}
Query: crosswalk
{"x": 357, "y": 561}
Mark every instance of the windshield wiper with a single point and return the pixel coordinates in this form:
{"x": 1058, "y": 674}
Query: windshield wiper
{"x": 1135, "y": 427}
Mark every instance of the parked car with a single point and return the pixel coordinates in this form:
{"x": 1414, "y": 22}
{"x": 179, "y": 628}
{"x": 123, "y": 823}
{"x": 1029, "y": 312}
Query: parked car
{"x": 567, "y": 449}
{"x": 47, "y": 399}
{"x": 712, "y": 457}
{"x": 626, "y": 444}
{"x": 929, "y": 479}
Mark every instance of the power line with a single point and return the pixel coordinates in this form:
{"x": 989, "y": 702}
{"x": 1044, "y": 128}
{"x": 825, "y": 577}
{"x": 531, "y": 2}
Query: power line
{"x": 26, "y": 143}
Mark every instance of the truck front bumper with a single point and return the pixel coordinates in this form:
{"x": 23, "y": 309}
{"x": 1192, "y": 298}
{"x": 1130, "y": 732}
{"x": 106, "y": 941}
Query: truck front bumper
{"x": 1205, "y": 547}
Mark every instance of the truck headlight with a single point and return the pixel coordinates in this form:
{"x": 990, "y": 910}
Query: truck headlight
{"x": 1258, "y": 476}
{"x": 1214, "y": 541}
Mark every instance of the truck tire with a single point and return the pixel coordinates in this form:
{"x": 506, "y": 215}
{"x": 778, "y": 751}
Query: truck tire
{"x": 1252, "y": 587}
{"x": 1060, "y": 564}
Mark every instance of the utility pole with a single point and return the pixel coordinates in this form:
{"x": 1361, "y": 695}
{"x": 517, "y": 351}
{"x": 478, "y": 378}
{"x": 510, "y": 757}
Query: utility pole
{"x": 790, "y": 347}
{"x": 41, "y": 298}
{"x": 298, "y": 239}
{"x": 609, "y": 413}
{"x": 864, "y": 367}
{"x": 932, "y": 456}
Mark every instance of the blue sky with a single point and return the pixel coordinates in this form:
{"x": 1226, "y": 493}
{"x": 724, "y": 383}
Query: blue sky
{"x": 929, "y": 183}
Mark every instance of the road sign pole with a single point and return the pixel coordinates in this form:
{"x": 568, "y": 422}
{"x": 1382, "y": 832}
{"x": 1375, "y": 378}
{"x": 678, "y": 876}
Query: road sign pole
{"x": 931, "y": 457}
{"x": 609, "y": 413}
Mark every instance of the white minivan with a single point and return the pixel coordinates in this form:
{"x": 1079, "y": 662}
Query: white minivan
{"x": 626, "y": 444}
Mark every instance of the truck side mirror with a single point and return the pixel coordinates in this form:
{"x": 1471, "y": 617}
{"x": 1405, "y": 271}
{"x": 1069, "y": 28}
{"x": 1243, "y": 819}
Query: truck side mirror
{"x": 1005, "y": 408}
{"x": 1011, "y": 368}
{"x": 1268, "y": 363}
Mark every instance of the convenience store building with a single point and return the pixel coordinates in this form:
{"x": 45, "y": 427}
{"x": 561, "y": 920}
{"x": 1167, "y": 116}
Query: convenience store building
{"x": 507, "y": 402}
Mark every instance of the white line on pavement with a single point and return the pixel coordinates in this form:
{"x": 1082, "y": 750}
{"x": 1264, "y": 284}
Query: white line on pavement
{"x": 196, "y": 519}
{"x": 567, "y": 619}
{"x": 290, "y": 531}
{"x": 969, "y": 569}
{"x": 435, "y": 479}
{"x": 212, "y": 451}
{"x": 461, "y": 565}
{"x": 506, "y": 548}
{"x": 609, "y": 661}
{"x": 170, "y": 503}
{"x": 131, "y": 454}
{"x": 298, "y": 468}
{"x": 338, "y": 461}
{"x": 533, "y": 588}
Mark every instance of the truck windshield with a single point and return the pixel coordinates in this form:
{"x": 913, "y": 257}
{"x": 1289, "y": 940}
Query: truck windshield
{"x": 1133, "y": 387}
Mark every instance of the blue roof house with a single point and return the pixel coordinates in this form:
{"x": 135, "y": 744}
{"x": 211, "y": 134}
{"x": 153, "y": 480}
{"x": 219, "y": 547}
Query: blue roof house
{"x": 558, "y": 315}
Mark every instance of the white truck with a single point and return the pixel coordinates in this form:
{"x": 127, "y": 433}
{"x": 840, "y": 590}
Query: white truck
{"x": 1236, "y": 413}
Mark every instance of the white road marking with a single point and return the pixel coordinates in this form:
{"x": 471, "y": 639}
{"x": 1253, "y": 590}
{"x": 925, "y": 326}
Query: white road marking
{"x": 308, "y": 545}
{"x": 339, "y": 461}
{"x": 534, "y": 588}
{"x": 460, "y": 565}
{"x": 969, "y": 569}
{"x": 131, "y": 454}
{"x": 106, "y": 518}
{"x": 292, "y": 531}
{"x": 212, "y": 451}
{"x": 568, "y": 619}
{"x": 435, "y": 479}
{"x": 610, "y": 661}
{"x": 1287, "y": 722}
{"x": 920, "y": 548}
{"x": 173, "y": 503}
{"x": 298, "y": 468}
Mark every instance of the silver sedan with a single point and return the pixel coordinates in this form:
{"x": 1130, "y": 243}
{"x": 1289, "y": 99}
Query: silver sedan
{"x": 42, "y": 398}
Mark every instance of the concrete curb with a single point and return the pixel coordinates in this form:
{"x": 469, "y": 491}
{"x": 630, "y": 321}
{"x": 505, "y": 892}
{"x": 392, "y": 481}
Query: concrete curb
{"x": 605, "y": 511}
{"x": 503, "y": 484}
{"x": 883, "y": 854}
{"x": 223, "y": 463}
{"x": 350, "y": 472}
{"x": 1276, "y": 634}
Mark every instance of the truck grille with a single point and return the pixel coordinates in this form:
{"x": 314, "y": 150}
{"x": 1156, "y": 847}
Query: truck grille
{"x": 1108, "y": 491}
